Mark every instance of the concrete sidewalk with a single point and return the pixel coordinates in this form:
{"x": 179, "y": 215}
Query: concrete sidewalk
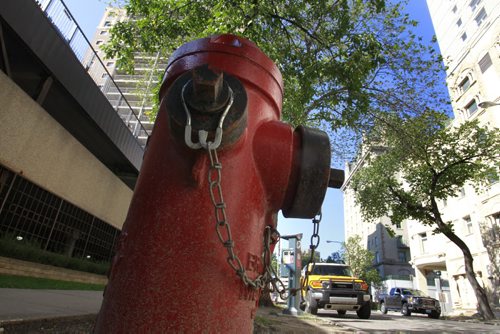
{"x": 26, "y": 304}
{"x": 65, "y": 311}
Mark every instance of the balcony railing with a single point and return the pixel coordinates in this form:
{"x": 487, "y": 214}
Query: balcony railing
{"x": 64, "y": 22}
{"x": 398, "y": 277}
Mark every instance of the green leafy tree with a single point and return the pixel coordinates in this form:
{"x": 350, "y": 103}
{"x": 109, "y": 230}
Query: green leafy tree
{"x": 343, "y": 61}
{"x": 425, "y": 160}
{"x": 360, "y": 259}
{"x": 336, "y": 257}
{"x": 274, "y": 262}
{"x": 306, "y": 257}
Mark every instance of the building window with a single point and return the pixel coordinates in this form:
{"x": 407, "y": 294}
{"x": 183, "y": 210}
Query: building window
{"x": 464, "y": 36}
{"x": 377, "y": 257}
{"x": 99, "y": 42}
{"x": 104, "y": 75}
{"x": 462, "y": 192}
{"x": 464, "y": 85}
{"x": 454, "y": 10}
{"x": 423, "y": 242}
{"x": 103, "y": 32}
{"x": 402, "y": 257}
{"x": 473, "y": 4}
{"x": 400, "y": 241}
{"x": 36, "y": 215}
{"x": 107, "y": 24}
{"x": 471, "y": 109}
{"x": 480, "y": 17}
{"x": 468, "y": 225}
{"x": 110, "y": 63}
{"x": 375, "y": 241}
{"x": 459, "y": 22}
{"x": 398, "y": 225}
{"x": 485, "y": 63}
{"x": 495, "y": 228}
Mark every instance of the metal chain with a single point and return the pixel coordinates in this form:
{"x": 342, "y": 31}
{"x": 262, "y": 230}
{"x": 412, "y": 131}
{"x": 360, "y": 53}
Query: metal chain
{"x": 277, "y": 285}
{"x": 223, "y": 229}
{"x": 314, "y": 244}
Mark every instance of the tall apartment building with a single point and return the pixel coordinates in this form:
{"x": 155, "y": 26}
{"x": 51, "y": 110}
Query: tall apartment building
{"x": 468, "y": 33}
{"x": 129, "y": 94}
{"x": 392, "y": 254}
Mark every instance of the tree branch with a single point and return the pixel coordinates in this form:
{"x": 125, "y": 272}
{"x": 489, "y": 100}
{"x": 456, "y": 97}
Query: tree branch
{"x": 296, "y": 24}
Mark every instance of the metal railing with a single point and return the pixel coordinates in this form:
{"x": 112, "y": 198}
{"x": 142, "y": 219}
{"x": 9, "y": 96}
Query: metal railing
{"x": 59, "y": 15}
{"x": 398, "y": 277}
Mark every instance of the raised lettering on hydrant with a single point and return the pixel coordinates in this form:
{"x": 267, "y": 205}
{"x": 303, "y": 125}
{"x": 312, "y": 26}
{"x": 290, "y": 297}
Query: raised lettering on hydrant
{"x": 218, "y": 167}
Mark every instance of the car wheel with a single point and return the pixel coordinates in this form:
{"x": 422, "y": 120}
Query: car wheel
{"x": 405, "y": 310}
{"x": 365, "y": 311}
{"x": 434, "y": 315}
{"x": 311, "y": 304}
{"x": 341, "y": 312}
{"x": 383, "y": 309}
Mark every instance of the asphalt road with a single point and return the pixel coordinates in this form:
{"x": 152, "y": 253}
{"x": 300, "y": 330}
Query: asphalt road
{"x": 393, "y": 322}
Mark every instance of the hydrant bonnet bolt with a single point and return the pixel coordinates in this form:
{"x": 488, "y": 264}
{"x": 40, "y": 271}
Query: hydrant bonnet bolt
{"x": 207, "y": 93}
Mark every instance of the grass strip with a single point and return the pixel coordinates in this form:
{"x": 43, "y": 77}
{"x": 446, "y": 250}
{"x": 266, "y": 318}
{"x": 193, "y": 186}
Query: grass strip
{"x": 24, "y": 282}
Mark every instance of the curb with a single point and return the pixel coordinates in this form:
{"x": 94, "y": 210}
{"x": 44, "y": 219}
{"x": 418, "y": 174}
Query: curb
{"x": 60, "y": 324}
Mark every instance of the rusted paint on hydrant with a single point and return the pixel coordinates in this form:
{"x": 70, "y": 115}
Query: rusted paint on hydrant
{"x": 170, "y": 272}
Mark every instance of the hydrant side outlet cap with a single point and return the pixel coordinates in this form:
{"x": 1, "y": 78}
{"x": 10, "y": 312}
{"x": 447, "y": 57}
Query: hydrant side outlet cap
{"x": 305, "y": 196}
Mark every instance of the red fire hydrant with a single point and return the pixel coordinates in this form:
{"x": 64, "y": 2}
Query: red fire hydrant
{"x": 219, "y": 165}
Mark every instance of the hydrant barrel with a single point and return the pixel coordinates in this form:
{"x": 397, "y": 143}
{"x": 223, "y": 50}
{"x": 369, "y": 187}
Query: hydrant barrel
{"x": 196, "y": 215}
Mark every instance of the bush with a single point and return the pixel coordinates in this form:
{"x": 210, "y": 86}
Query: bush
{"x": 31, "y": 251}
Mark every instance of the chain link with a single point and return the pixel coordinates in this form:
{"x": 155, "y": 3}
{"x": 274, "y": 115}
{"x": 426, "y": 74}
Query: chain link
{"x": 314, "y": 244}
{"x": 222, "y": 227}
{"x": 271, "y": 236}
{"x": 224, "y": 234}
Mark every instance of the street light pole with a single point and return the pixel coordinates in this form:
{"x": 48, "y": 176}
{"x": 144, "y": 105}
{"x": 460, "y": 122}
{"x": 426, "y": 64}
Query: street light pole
{"x": 488, "y": 104}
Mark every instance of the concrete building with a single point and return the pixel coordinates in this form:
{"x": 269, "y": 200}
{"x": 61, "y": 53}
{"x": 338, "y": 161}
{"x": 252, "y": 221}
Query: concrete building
{"x": 392, "y": 254}
{"x": 68, "y": 164}
{"x": 468, "y": 33}
{"x": 130, "y": 94}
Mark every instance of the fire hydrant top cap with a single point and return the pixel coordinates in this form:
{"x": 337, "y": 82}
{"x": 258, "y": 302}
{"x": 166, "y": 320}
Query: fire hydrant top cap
{"x": 230, "y": 44}
{"x": 232, "y": 54}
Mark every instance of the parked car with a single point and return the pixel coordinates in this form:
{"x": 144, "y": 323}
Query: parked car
{"x": 331, "y": 286}
{"x": 408, "y": 301}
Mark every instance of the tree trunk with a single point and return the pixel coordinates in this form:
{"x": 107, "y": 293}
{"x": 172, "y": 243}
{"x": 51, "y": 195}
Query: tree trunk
{"x": 482, "y": 299}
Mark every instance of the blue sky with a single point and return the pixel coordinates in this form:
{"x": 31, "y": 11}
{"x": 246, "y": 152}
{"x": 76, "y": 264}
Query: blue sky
{"x": 88, "y": 13}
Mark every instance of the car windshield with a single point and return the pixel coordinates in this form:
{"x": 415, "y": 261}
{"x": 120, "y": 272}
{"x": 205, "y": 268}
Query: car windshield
{"x": 332, "y": 270}
{"x": 411, "y": 292}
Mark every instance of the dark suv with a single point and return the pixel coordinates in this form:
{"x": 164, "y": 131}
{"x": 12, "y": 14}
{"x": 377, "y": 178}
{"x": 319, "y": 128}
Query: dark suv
{"x": 408, "y": 301}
